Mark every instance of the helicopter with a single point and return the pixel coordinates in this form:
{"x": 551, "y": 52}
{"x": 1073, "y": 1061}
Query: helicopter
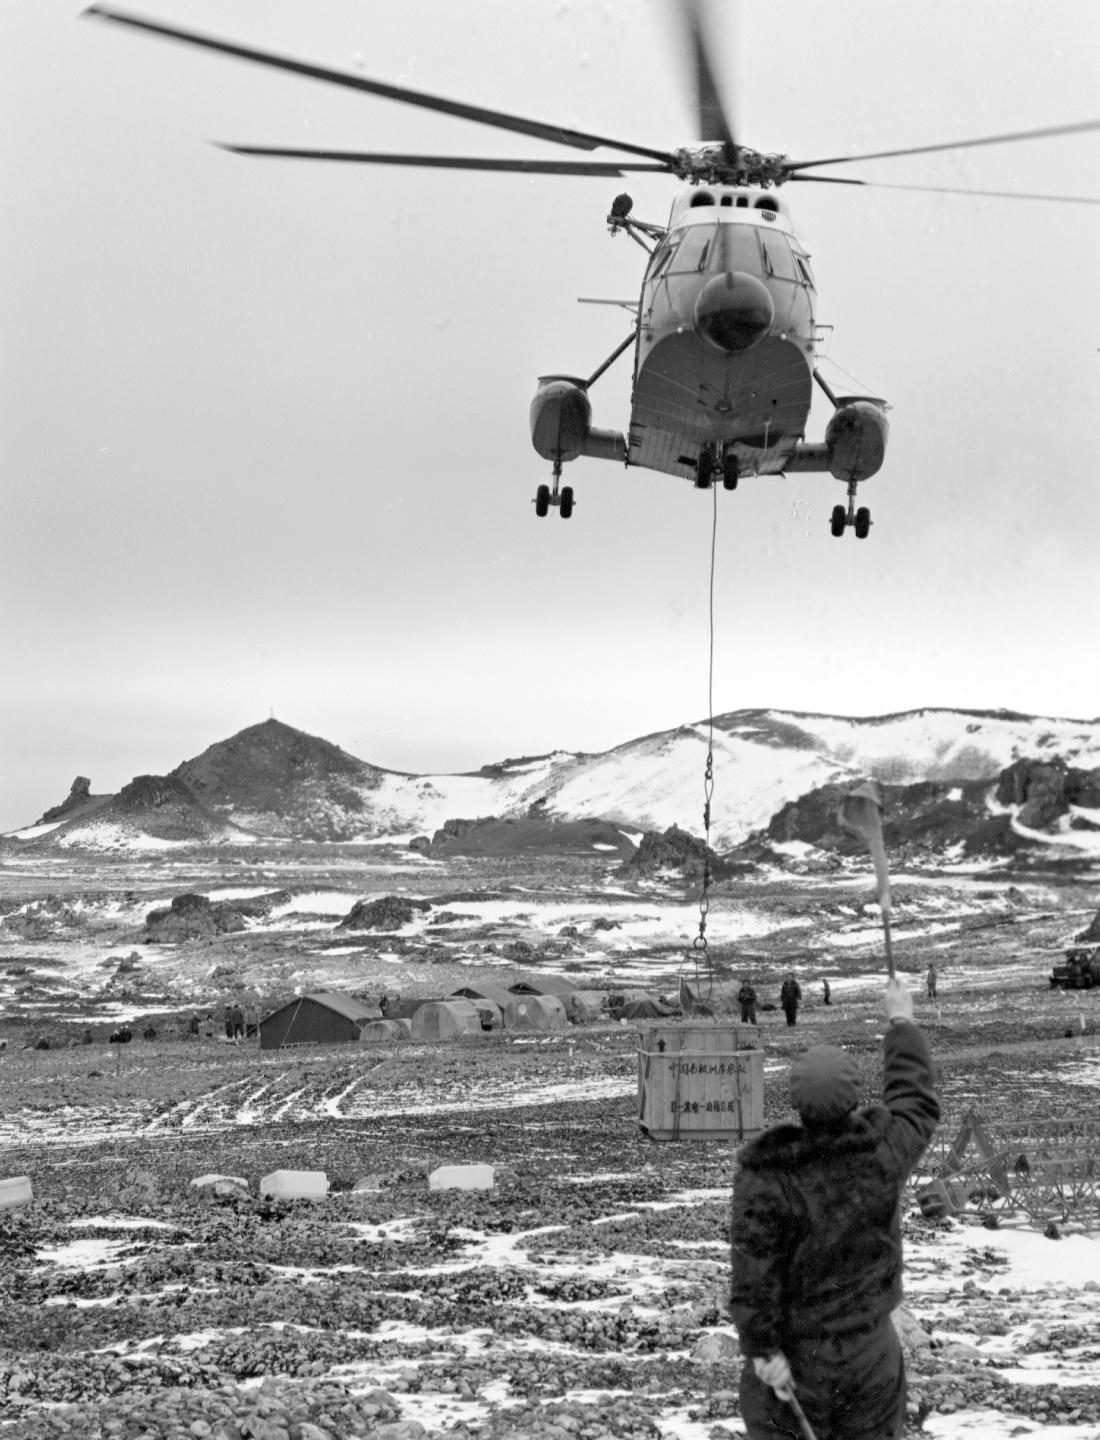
{"x": 725, "y": 337}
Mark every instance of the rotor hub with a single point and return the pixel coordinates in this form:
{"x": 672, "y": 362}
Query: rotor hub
{"x": 719, "y": 164}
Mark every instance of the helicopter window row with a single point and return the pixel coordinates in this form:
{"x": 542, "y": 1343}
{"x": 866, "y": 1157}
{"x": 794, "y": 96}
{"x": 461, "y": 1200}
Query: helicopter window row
{"x": 705, "y": 197}
{"x": 728, "y": 247}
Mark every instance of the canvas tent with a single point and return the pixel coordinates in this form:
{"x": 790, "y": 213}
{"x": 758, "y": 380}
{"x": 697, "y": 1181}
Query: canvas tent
{"x": 324, "y": 1018}
{"x": 540, "y": 1013}
{"x": 382, "y": 1032}
{"x": 710, "y": 997}
{"x": 498, "y": 994}
{"x": 446, "y": 1019}
{"x": 492, "y": 1014}
{"x": 618, "y": 998}
{"x": 584, "y": 1006}
{"x": 542, "y": 985}
{"x": 648, "y": 1008}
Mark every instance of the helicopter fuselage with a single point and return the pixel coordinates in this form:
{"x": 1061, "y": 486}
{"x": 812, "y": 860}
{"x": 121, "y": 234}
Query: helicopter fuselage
{"x": 724, "y": 347}
{"x": 724, "y": 355}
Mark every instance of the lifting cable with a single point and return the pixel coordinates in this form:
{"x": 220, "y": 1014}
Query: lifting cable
{"x": 699, "y": 944}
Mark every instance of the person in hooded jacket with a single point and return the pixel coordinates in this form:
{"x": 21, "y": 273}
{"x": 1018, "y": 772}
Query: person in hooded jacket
{"x": 816, "y": 1242}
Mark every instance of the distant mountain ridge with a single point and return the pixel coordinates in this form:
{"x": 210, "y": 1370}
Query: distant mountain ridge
{"x": 949, "y": 775}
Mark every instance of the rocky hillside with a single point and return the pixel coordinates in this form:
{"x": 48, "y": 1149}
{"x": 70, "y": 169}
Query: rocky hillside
{"x": 272, "y": 780}
{"x": 971, "y": 782}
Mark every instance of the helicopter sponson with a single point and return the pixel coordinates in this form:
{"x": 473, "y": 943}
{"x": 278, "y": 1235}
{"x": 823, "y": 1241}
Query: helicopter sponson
{"x": 855, "y": 438}
{"x": 561, "y": 423}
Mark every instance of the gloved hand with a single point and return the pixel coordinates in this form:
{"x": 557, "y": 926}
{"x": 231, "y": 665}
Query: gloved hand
{"x": 774, "y": 1371}
{"x": 898, "y": 1001}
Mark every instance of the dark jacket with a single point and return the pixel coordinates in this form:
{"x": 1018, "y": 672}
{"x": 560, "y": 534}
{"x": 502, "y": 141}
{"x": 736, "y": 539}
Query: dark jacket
{"x": 790, "y": 993}
{"x": 746, "y": 995}
{"x": 815, "y": 1229}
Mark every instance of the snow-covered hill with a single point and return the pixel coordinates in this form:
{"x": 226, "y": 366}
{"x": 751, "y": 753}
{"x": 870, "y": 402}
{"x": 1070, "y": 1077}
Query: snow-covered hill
{"x": 272, "y": 782}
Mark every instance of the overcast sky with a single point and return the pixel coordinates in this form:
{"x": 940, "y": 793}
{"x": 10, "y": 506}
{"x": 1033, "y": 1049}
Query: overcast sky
{"x": 264, "y": 423}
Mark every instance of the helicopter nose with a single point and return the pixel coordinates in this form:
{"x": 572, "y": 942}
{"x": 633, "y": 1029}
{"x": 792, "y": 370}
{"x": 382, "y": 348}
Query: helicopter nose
{"x": 734, "y": 311}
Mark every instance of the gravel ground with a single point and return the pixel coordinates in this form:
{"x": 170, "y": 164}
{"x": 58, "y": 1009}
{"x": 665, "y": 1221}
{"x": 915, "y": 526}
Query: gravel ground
{"x": 580, "y": 1296}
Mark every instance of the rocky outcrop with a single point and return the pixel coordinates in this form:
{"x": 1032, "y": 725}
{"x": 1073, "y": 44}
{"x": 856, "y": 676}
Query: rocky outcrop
{"x": 676, "y": 850}
{"x": 391, "y": 912}
{"x": 192, "y": 917}
{"x": 1044, "y": 790}
{"x": 79, "y": 801}
{"x": 533, "y": 833}
{"x": 77, "y": 797}
{"x": 916, "y": 819}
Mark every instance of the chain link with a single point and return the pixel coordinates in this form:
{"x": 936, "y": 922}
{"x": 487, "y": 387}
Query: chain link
{"x": 699, "y": 944}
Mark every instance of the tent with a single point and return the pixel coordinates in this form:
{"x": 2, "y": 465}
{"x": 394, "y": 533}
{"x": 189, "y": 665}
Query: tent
{"x": 584, "y": 1006}
{"x": 647, "y": 1009}
{"x": 444, "y": 1019}
{"x": 326, "y": 1017}
{"x": 542, "y": 985}
{"x": 382, "y": 1032}
{"x": 710, "y": 997}
{"x": 498, "y": 994}
{"x": 535, "y": 1012}
{"x": 618, "y": 998}
{"x": 491, "y": 1014}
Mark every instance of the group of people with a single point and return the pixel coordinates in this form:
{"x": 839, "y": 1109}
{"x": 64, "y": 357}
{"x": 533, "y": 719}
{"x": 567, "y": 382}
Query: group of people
{"x": 237, "y": 1028}
{"x": 790, "y": 997}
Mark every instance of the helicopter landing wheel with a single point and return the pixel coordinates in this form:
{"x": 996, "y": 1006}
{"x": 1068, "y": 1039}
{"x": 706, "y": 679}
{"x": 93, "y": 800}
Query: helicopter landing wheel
{"x": 542, "y": 500}
{"x": 731, "y": 472}
{"x": 862, "y": 523}
{"x": 839, "y": 520}
{"x": 565, "y": 504}
{"x": 704, "y": 470}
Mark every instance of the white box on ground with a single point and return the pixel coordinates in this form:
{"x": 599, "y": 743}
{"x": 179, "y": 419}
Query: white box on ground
{"x": 15, "y": 1192}
{"x": 461, "y": 1177}
{"x": 295, "y": 1184}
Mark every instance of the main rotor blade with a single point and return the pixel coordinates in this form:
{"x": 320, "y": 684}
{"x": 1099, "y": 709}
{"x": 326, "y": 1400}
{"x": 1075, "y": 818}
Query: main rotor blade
{"x": 499, "y": 119}
{"x": 948, "y": 190}
{"x": 712, "y": 119}
{"x": 449, "y": 162}
{"x": 1079, "y": 128}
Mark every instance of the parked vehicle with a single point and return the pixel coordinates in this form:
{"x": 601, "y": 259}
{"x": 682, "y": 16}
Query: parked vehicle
{"x": 1080, "y": 970}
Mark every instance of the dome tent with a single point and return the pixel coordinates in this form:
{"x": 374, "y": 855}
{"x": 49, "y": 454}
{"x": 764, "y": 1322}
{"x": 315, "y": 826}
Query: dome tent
{"x": 585, "y": 1005}
{"x": 446, "y": 1019}
{"x": 382, "y": 1032}
{"x": 540, "y": 1013}
{"x": 490, "y": 1000}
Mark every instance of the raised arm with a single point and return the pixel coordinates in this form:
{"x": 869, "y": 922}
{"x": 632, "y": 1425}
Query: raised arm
{"x": 908, "y": 1091}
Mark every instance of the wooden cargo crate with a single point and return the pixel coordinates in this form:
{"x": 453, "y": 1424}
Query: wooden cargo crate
{"x": 700, "y": 1080}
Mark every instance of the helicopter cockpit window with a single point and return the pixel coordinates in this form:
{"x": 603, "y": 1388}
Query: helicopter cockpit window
{"x": 663, "y": 254}
{"x": 739, "y": 250}
{"x": 702, "y": 197}
{"x": 778, "y": 256}
{"x": 693, "y": 250}
{"x": 804, "y": 266}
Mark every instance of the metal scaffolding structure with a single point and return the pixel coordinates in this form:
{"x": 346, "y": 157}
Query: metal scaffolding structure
{"x": 1049, "y": 1169}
